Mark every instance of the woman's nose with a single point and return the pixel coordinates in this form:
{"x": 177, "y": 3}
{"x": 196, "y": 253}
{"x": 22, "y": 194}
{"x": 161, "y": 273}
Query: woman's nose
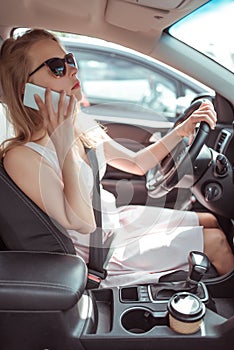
{"x": 72, "y": 70}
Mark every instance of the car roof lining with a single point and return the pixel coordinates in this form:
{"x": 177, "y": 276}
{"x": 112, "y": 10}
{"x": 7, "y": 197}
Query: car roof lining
{"x": 109, "y": 19}
{"x": 84, "y": 16}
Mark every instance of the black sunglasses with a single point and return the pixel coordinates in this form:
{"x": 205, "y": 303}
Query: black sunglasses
{"x": 57, "y": 65}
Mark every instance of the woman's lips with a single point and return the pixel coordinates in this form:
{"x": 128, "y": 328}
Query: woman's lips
{"x": 76, "y": 86}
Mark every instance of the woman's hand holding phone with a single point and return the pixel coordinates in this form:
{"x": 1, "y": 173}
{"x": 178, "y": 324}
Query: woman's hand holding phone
{"x": 59, "y": 123}
{"x": 32, "y": 89}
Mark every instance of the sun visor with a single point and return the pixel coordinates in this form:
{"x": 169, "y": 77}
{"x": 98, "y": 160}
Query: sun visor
{"x": 146, "y": 15}
{"x": 159, "y": 4}
{"x": 133, "y": 17}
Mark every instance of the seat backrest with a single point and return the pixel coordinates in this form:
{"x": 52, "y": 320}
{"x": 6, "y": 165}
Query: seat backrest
{"x": 24, "y": 226}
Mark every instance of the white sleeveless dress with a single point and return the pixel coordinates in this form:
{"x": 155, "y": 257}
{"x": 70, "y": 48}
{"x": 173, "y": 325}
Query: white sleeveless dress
{"x": 148, "y": 241}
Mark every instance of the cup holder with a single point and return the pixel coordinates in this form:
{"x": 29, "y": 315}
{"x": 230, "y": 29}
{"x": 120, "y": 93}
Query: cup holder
{"x": 141, "y": 320}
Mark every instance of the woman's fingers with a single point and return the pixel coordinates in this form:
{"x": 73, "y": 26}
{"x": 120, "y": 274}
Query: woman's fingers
{"x": 203, "y": 117}
{"x": 40, "y": 103}
{"x": 71, "y": 106}
{"x": 62, "y": 107}
{"x": 205, "y": 113}
{"x": 64, "y": 112}
{"x": 49, "y": 105}
{"x": 42, "y": 109}
{"x": 209, "y": 109}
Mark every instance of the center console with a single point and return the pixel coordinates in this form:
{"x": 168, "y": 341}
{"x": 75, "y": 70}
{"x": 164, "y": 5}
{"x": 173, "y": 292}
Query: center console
{"x": 44, "y": 304}
{"x": 139, "y": 317}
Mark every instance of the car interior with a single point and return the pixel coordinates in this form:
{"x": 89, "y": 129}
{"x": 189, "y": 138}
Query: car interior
{"x": 46, "y": 299}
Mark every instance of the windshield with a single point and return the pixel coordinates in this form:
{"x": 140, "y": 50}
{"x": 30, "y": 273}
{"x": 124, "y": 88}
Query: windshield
{"x": 209, "y": 30}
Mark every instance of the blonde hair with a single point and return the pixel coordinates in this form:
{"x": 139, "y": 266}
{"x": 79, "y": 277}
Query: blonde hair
{"x": 15, "y": 68}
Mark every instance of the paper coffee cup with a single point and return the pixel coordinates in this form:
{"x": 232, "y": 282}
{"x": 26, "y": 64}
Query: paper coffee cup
{"x": 186, "y": 312}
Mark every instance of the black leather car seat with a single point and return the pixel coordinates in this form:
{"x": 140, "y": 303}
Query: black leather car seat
{"x": 24, "y": 226}
{"x": 42, "y": 282}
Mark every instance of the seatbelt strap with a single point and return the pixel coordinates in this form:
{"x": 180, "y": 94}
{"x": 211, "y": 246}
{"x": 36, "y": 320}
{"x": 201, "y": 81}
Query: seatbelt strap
{"x": 97, "y": 250}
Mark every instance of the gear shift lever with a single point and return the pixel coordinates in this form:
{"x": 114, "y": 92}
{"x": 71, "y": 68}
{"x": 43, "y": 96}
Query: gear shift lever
{"x": 198, "y": 266}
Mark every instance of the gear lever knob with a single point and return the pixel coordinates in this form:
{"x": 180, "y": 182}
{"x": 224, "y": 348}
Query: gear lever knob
{"x": 198, "y": 266}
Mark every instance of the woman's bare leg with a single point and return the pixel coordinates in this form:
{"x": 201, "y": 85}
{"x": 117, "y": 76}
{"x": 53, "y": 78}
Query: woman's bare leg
{"x": 207, "y": 220}
{"x": 216, "y": 246}
{"x": 218, "y": 250}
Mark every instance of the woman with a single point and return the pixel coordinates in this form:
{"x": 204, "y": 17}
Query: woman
{"x": 47, "y": 160}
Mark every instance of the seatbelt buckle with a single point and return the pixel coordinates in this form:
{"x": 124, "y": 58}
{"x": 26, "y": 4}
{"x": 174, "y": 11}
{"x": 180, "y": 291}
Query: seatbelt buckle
{"x": 94, "y": 278}
{"x": 93, "y": 281}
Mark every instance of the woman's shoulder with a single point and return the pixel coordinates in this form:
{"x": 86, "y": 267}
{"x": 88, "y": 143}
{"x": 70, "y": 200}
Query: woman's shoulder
{"x": 22, "y": 165}
{"x": 15, "y": 152}
{"x": 19, "y": 156}
{"x": 18, "y": 151}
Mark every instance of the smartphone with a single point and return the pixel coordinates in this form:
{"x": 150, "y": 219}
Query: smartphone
{"x": 32, "y": 89}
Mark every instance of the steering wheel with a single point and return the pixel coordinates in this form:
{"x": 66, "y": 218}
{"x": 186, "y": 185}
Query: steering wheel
{"x": 164, "y": 177}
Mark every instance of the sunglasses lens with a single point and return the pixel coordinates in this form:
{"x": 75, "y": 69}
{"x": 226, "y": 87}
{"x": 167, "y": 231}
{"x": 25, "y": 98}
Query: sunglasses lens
{"x": 70, "y": 60}
{"x": 57, "y": 67}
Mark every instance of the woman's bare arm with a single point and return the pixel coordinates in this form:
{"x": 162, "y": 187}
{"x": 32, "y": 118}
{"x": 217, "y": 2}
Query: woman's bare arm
{"x": 140, "y": 162}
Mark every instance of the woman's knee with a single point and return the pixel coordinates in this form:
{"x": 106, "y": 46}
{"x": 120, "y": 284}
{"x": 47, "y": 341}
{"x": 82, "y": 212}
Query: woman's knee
{"x": 215, "y": 242}
{"x": 207, "y": 220}
{"x": 213, "y": 236}
{"x": 218, "y": 250}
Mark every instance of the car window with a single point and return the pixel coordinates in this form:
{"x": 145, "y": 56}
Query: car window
{"x": 184, "y": 99}
{"x": 207, "y": 30}
{"x": 112, "y": 78}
